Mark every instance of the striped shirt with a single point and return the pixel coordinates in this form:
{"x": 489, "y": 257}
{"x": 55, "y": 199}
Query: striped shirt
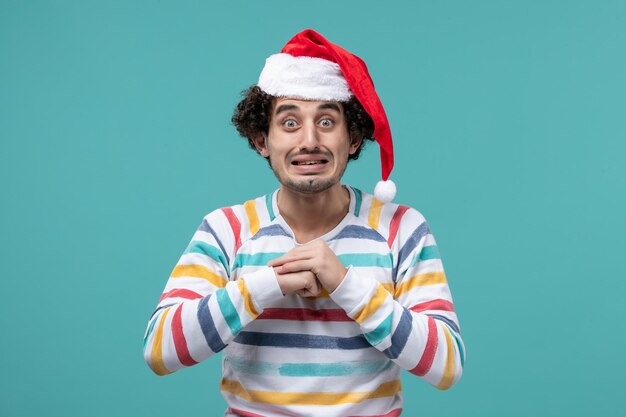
{"x": 337, "y": 354}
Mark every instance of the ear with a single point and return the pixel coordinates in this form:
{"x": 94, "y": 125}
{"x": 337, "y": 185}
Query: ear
{"x": 355, "y": 143}
{"x": 260, "y": 143}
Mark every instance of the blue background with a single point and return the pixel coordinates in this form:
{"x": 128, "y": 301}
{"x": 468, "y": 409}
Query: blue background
{"x": 509, "y": 120}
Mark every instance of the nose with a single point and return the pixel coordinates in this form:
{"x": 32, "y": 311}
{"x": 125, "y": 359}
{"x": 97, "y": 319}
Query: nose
{"x": 310, "y": 138}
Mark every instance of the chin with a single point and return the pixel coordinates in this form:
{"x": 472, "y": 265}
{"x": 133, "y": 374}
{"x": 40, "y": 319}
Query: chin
{"x": 309, "y": 186}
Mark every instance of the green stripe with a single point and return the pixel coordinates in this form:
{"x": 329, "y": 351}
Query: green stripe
{"x": 366, "y": 259}
{"x": 247, "y": 366}
{"x": 268, "y": 203}
{"x": 228, "y": 311}
{"x": 427, "y": 253}
{"x": 334, "y": 369}
{"x": 197, "y": 246}
{"x": 258, "y": 259}
{"x": 357, "y": 203}
{"x": 145, "y": 339}
{"x": 379, "y": 333}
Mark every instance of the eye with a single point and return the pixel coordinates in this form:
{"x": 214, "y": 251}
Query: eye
{"x": 326, "y": 122}
{"x": 290, "y": 124}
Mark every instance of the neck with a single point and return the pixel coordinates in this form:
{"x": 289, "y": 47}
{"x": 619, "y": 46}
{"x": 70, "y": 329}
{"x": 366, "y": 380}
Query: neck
{"x": 312, "y": 215}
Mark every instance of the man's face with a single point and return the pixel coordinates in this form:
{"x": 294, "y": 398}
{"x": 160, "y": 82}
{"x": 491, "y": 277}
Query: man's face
{"x": 308, "y": 144}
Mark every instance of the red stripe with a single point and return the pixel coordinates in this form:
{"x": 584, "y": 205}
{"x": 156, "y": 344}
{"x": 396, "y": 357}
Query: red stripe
{"x": 242, "y": 413}
{"x": 437, "y": 304}
{"x": 180, "y": 292}
{"x": 303, "y": 314}
{"x": 392, "y": 413}
{"x": 235, "y": 224}
{"x": 395, "y": 224}
{"x": 428, "y": 356}
{"x": 179, "y": 339}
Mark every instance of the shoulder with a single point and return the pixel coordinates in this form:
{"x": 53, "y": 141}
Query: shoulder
{"x": 391, "y": 220}
{"x": 240, "y": 222}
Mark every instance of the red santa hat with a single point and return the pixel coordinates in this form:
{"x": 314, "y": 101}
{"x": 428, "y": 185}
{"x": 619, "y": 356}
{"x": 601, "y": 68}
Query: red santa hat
{"x": 310, "y": 67}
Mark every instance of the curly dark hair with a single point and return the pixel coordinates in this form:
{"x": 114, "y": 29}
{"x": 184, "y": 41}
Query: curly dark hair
{"x": 253, "y": 114}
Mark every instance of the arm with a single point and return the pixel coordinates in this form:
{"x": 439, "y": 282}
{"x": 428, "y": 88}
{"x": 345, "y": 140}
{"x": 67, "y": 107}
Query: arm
{"x": 201, "y": 310}
{"x": 416, "y": 326}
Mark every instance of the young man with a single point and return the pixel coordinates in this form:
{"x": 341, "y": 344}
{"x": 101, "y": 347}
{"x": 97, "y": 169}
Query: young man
{"x": 318, "y": 294}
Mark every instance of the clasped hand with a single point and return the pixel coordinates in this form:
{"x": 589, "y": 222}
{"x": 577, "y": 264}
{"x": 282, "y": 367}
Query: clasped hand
{"x": 307, "y": 269}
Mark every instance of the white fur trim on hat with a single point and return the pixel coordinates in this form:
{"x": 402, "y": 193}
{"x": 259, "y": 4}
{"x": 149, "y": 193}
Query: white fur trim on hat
{"x": 307, "y": 78}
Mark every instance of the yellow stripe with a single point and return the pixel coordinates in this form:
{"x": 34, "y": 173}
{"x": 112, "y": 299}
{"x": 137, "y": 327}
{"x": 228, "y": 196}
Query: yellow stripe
{"x": 374, "y": 214}
{"x": 388, "y": 287}
{"x": 156, "y": 357}
{"x": 374, "y": 304}
{"x": 421, "y": 280}
{"x": 448, "y": 373}
{"x": 198, "y": 271}
{"x": 322, "y": 294}
{"x": 253, "y": 218}
{"x": 247, "y": 299}
{"x": 386, "y": 389}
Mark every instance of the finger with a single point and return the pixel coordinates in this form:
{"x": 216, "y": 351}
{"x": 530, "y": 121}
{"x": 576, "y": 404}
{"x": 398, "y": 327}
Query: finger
{"x": 283, "y": 258}
{"x": 313, "y": 291}
{"x": 294, "y": 266}
{"x": 288, "y": 257}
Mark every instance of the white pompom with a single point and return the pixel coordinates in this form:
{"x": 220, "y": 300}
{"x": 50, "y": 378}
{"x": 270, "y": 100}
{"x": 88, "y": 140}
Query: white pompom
{"x": 385, "y": 191}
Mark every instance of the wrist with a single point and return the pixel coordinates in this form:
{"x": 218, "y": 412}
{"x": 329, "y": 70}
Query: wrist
{"x": 339, "y": 277}
{"x": 280, "y": 279}
{"x": 264, "y": 287}
{"x": 354, "y": 290}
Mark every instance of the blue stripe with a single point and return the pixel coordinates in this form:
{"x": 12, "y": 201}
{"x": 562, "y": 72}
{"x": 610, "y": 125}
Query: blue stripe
{"x": 358, "y": 199}
{"x": 198, "y": 246}
{"x": 228, "y": 311}
{"x": 446, "y": 320}
{"x": 400, "y": 336}
{"x": 308, "y": 369}
{"x": 306, "y": 341}
{"x": 205, "y": 227}
{"x": 161, "y": 308}
{"x": 411, "y": 243}
{"x": 207, "y": 325}
{"x": 268, "y": 203}
{"x": 273, "y": 230}
{"x": 381, "y": 331}
{"x": 257, "y": 259}
{"x": 359, "y": 232}
{"x": 366, "y": 259}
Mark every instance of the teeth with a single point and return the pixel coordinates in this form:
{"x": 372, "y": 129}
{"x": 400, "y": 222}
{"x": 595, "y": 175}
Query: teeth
{"x": 309, "y": 162}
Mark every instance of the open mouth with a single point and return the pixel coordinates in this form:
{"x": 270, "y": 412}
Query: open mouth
{"x": 314, "y": 162}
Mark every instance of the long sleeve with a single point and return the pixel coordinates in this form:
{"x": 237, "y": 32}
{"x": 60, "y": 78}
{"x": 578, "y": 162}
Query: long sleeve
{"x": 201, "y": 309}
{"x": 416, "y": 326}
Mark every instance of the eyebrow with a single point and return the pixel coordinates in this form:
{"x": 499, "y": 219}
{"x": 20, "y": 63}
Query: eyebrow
{"x": 285, "y": 107}
{"x": 323, "y": 106}
{"x": 329, "y": 106}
